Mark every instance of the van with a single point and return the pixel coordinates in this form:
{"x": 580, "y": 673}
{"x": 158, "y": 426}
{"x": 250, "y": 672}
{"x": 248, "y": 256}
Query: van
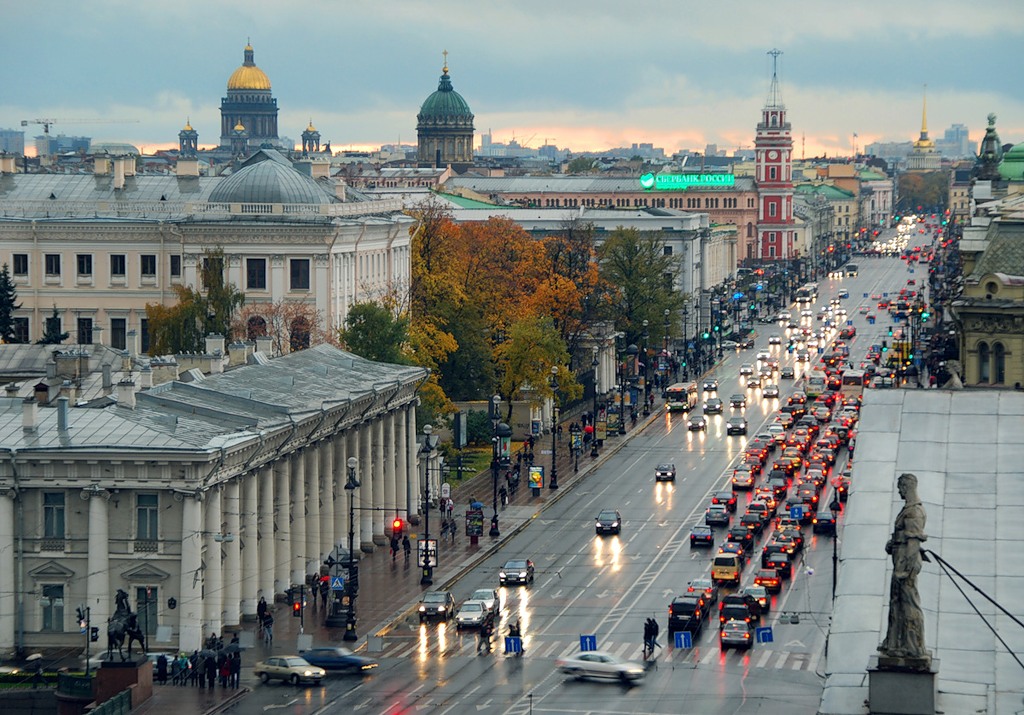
{"x": 726, "y": 568}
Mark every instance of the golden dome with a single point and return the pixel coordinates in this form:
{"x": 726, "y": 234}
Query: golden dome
{"x": 239, "y": 127}
{"x": 248, "y": 76}
{"x": 188, "y": 126}
{"x": 310, "y": 128}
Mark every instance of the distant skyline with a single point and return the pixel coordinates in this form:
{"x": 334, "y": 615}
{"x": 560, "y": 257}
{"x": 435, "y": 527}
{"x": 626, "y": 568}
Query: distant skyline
{"x": 587, "y": 75}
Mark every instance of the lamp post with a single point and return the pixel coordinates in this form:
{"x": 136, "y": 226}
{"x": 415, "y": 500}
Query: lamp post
{"x": 553, "y": 482}
{"x": 834, "y": 508}
{"x": 501, "y": 432}
{"x": 646, "y": 371}
{"x": 353, "y": 569}
{"x": 686, "y": 343}
{"x": 595, "y": 363}
{"x": 429, "y": 443}
{"x": 632, "y": 351}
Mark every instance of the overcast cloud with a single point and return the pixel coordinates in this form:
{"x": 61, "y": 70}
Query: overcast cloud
{"x": 586, "y": 74}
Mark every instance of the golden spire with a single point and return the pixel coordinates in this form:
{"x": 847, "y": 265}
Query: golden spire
{"x": 924, "y": 114}
{"x": 444, "y": 70}
{"x": 188, "y": 125}
{"x": 311, "y": 128}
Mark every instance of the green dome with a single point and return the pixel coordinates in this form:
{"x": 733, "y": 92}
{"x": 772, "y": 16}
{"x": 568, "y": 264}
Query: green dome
{"x": 445, "y": 106}
{"x": 1011, "y": 167}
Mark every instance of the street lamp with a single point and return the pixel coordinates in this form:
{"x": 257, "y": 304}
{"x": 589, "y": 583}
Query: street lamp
{"x": 686, "y": 342}
{"x": 353, "y": 569}
{"x": 500, "y": 433}
{"x": 632, "y": 351}
{"x": 646, "y": 371}
{"x": 593, "y": 421}
{"x": 429, "y": 443}
{"x": 834, "y": 508}
{"x": 553, "y": 483}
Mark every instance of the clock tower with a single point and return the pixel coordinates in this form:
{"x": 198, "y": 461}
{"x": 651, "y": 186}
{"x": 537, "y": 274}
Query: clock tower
{"x": 774, "y": 177}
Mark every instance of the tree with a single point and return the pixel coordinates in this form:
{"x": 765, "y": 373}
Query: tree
{"x": 281, "y": 321}
{"x": 581, "y": 165}
{"x": 8, "y": 304}
{"x": 525, "y": 360}
{"x": 52, "y": 334}
{"x": 372, "y": 331}
{"x": 643, "y": 275}
{"x": 183, "y": 327}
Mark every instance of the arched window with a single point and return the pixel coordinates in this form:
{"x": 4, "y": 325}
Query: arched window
{"x": 255, "y": 327}
{"x": 299, "y": 334}
{"x": 998, "y": 364}
{"x": 984, "y": 370}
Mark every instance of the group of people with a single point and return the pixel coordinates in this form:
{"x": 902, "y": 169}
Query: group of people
{"x": 404, "y": 544}
{"x": 203, "y": 668}
{"x": 651, "y": 630}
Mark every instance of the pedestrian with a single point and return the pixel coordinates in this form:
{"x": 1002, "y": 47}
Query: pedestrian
{"x": 37, "y": 679}
{"x": 268, "y": 628}
{"x": 261, "y": 609}
{"x": 504, "y": 497}
{"x": 655, "y": 629}
{"x": 235, "y": 668}
{"x": 395, "y": 543}
{"x": 161, "y": 669}
{"x": 325, "y": 588}
{"x": 224, "y": 669}
{"x": 406, "y": 547}
{"x": 210, "y": 665}
{"x": 647, "y": 637}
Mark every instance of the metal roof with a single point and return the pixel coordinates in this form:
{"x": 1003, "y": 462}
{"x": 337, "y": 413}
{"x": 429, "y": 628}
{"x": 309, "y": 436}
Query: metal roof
{"x": 567, "y": 184}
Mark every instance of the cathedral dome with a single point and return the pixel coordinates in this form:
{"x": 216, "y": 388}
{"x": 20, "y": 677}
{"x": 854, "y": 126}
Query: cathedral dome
{"x": 1011, "y": 167}
{"x": 248, "y": 76}
{"x": 267, "y": 177}
{"x": 445, "y": 105}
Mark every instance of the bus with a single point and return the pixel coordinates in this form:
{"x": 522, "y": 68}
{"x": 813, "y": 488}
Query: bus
{"x": 807, "y": 294}
{"x": 814, "y": 385}
{"x": 851, "y": 269}
{"x": 853, "y": 384}
{"x": 681, "y": 397}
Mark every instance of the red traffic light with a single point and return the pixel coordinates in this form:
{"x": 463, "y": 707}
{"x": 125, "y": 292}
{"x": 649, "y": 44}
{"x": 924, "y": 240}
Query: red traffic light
{"x": 396, "y": 527}
{"x": 297, "y": 609}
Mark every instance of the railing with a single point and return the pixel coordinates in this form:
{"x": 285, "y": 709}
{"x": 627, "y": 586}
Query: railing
{"x": 159, "y": 209}
{"x": 120, "y": 704}
{"x": 78, "y": 686}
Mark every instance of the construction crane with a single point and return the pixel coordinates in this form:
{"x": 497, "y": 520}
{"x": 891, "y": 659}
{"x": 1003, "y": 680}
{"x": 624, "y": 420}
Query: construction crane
{"x": 47, "y": 122}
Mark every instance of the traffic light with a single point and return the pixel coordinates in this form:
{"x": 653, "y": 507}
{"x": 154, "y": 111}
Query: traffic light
{"x": 396, "y": 527}
{"x": 925, "y": 315}
{"x": 716, "y": 328}
{"x": 705, "y": 335}
{"x": 890, "y": 332}
{"x": 297, "y": 609}
{"x": 94, "y": 634}
{"x": 885, "y": 345}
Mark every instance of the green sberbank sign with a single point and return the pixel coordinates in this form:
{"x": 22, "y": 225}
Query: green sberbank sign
{"x": 681, "y": 182}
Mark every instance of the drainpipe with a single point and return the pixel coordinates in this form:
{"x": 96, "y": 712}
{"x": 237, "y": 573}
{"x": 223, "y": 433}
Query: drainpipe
{"x": 19, "y": 616}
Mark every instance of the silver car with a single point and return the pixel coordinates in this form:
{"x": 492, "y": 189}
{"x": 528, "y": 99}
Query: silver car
{"x": 489, "y": 597}
{"x": 737, "y": 634}
{"x": 597, "y": 664}
{"x": 471, "y": 615}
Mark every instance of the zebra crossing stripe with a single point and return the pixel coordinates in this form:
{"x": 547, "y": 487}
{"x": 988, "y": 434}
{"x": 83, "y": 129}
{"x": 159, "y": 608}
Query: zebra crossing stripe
{"x": 763, "y": 660}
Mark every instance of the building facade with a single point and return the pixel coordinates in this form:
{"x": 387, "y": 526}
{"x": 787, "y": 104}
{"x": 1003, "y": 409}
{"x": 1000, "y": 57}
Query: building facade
{"x": 773, "y": 144}
{"x": 199, "y": 498}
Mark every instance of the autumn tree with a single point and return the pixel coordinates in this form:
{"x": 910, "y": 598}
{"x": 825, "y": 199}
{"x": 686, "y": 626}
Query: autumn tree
{"x": 533, "y": 346}
{"x": 290, "y": 324}
{"x": 8, "y": 304}
{"x": 644, "y": 278}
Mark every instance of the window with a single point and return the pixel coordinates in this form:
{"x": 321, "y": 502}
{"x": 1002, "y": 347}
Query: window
{"x": 983, "y": 363}
{"x": 20, "y": 261}
{"x": 772, "y": 208}
{"x": 299, "y": 337}
{"x": 299, "y": 273}
{"x": 53, "y": 325}
{"x": 148, "y": 263}
{"x": 53, "y": 264}
{"x": 53, "y": 515}
{"x": 144, "y": 335}
{"x": 118, "y": 330}
{"x": 118, "y": 266}
{"x": 146, "y": 600}
{"x": 84, "y": 331}
{"x": 773, "y": 173}
{"x": 667, "y": 250}
{"x": 256, "y": 327}
{"x": 20, "y": 330}
{"x": 85, "y": 264}
{"x": 52, "y": 602}
{"x": 256, "y": 274}
{"x": 147, "y": 506}
{"x": 999, "y": 363}
{"x": 175, "y": 266}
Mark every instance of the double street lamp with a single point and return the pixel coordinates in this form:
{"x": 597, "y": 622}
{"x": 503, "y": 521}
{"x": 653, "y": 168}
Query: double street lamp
{"x": 834, "y": 508}
{"x": 430, "y": 441}
{"x": 593, "y": 420}
{"x": 353, "y": 569}
{"x": 553, "y": 483}
{"x": 500, "y": 433}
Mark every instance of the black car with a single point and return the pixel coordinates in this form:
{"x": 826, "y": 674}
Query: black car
{"x": 341, "y": 659}
{"x": 702, "y": 535}
{"x": 752, "y": 521}
{"x": 741, "y": 535}
{"x": 713, "y": 406}
{"x": 782, "y": 564}
{"x": 717, "y": 515}
{"x": 608, "y": 522}
{"x": 665, "y": 472}
{"x": 728, "y": 498}
{"x": 697, "y": 423}
{"x": 438, "y": 605}
{"x": 736, "y": 425}
{"x": 516, "y": 571}
{"x": 738, "y": 402}
{"x": 687, "y": 613}
{"x": 710, "y": 386}
{"x": 824, "y": 523}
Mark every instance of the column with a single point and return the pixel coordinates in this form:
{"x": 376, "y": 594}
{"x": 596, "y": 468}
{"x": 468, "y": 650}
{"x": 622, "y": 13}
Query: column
{"x": 232, "y": 555}
{"x": 311, "y": 460}
{"x": 401, "y": 461}
{"x": 328, "y": 489}
{"x": 298, "y": 513}
{"x": 8, "y": 601}
{"x": 366, "y": 496}
{"x": 190, "y": 598}
{"x": 415, "y": 487}
{"x": 97, "y": 582}
{"x": 251, "y": 550}
{"x": 379, "y": 490}
{"x": 267, "y": 554}
{"x": 387, "y": 461}
{"x": 213, "y": 593}
{"x": 282, "y": 521}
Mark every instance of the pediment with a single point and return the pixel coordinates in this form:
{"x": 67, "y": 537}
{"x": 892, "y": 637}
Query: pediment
{"x": 51, "y": 570}
{"x": 145, "y": 573}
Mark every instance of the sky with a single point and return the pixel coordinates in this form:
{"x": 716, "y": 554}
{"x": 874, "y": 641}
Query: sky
{"x": 581, "y": 74}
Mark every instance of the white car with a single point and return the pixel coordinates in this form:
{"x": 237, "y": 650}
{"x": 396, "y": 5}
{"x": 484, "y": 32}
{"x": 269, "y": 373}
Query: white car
{"x": 471, "y": 615}
{"x": 489, "y": 597}
{"x": 774, "y": 340}
{"x": 746, "y": 369}
{"x": 290, "y": 669}
{"x": 763, "y": 355}
{"x": 785, "y": 315}
{"x": 806, "y": 313}
{"x": 770, "y": 390}
{"x": 597, "y": 664}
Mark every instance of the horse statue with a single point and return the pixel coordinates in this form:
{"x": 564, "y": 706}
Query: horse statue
{"x": 123, "y": 624}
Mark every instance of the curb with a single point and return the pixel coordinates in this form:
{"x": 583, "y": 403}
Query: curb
{"x": 387, "y": 626}
{"x": 225, "y": 704}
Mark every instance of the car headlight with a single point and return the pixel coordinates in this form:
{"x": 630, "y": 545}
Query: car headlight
{"x": 522, "y": 574}
{"x": 440, "y": 608}
{"x": 614, "y": 524}
{"x": 422, "y": 608}
{"x": 307, "y": 673}
{"x": 501, "y": 574}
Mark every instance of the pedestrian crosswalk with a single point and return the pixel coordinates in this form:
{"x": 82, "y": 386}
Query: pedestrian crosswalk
{"x": 551, "y": 648}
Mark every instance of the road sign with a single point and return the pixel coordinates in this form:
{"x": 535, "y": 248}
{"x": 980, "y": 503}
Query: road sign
{"x": 588, "y": 643}
{"x": 849, "y": 322}
{"x": 545, "y": 451}
{"x": 513, "y": 644}
{"x": 796, "y": 512}
{"x": 337, "y": 583}
{"x": 684, "y": 639}
{"x": 865, "y": 295}
{"x": 821, "y": 350}
{"x": 763, "y": 634}
{"x": 446, "y": 490}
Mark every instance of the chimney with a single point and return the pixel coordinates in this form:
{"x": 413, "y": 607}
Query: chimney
{"x": 133, "y": 343}
{"x": 101, "y": 165}
{"x": 187, "y": 167}
{"x": 51, "y": 369}
{"x": 214, "y": 344}
{"x": 29, "y": 414}
{"x": 164, "y": 370}
{"x": 11, "y": 389}
{"x": 265, "y": 345}
{"x": 129, "y": 165}
{"x": 320, "y": 168}
{"x": 8, "y": 163}
{"x": 67, "y": 390}
{"x": 66, "y": 363}
{"x": 119, "y": 173}
{"x": 108, "y": 381}
{"x": 339, "y": 188}
{"x": 126, "y": 393}
{"x": 62, "y": 414}
{"x": 145, "y": 377}
{"x": 238, "y": 353}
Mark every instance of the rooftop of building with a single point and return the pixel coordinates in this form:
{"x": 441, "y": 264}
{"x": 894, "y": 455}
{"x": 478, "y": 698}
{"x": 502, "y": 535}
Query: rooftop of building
{"x": 560, "y": 183}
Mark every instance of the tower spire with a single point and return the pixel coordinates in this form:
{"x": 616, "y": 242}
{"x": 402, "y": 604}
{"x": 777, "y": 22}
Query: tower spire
{"x": 774, "y": 93}
{"x": 924, "y": 114}
{"x": 444, "y": 69}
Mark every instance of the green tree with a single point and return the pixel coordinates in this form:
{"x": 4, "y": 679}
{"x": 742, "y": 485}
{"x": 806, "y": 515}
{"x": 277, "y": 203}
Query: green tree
{"x": 525, "y": 359}
{"x": 643, "y": 276}
{"x": 372, "y": 331}
{"x": 8, "y": 304}
{"x": 581, "y": 165}
{"x": 183, "y": 327}
{"x": 52, "y": 334}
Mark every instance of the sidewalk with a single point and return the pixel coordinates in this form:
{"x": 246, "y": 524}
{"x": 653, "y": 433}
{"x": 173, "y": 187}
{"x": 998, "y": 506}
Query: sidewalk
{"x": 388, "y": 589}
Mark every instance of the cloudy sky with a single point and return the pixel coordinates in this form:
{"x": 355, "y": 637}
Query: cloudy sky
{"x": 583, "y": 74}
